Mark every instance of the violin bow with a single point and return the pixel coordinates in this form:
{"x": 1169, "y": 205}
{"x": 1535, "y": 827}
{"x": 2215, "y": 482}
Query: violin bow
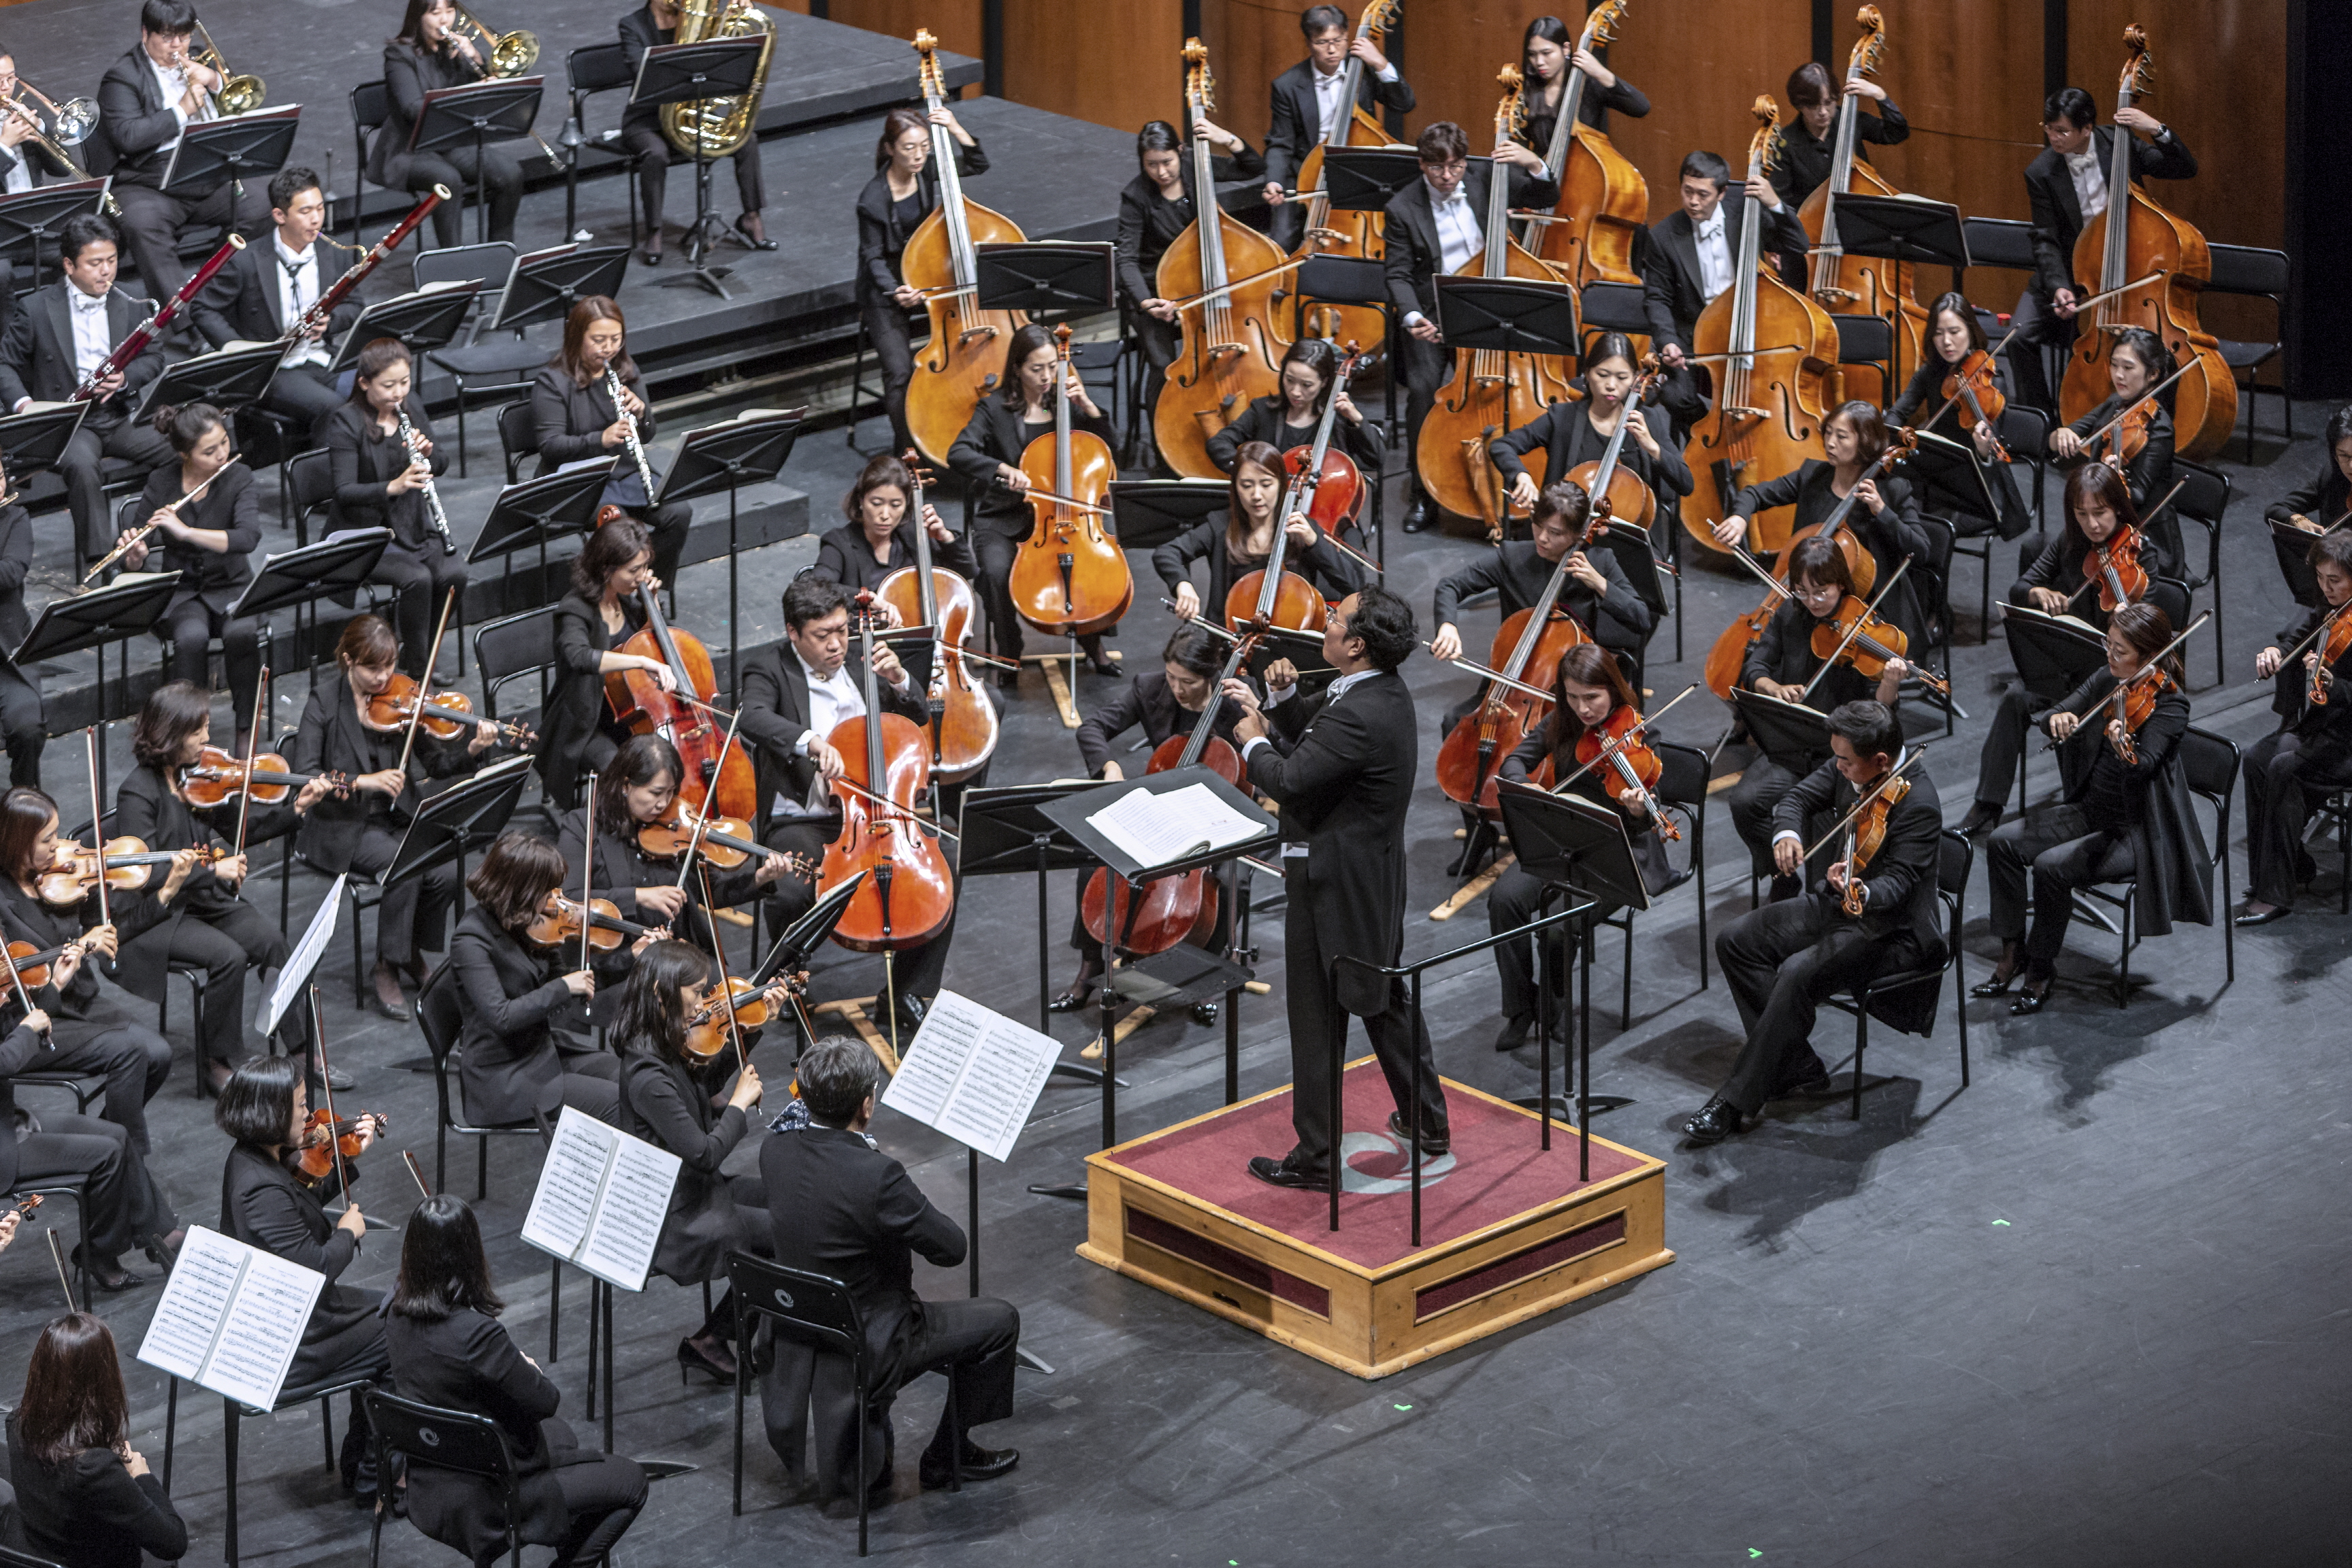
{"x": 327, "y": 1083}
{"x": 1896, "y": 771}
{"x": 423, "y": 686}
{"x": 97, "y": 819}
{"x": 2154, "y": 665}
{"x": 1498, "y": 678}
{"x": 2315, "y": 633}
{"x": 1868, "y": 610}
{"x": 2089, "y": 582}
{"x": 702, "y": 817}
{"x": 588, "y": 870}
{"x": 252, "y": 749}
{"x": 2125, "y": 413}
{"x": 725, "y": 987}
{"x": 1610, "y": 748}
{"x": 415, "y": 1172}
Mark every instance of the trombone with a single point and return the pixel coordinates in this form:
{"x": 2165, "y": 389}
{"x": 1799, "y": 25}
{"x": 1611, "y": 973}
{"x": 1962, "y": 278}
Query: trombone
{"x": 71, "y": 123}
{"x": 504, "y": 54}
{"x": 236, "y": 94}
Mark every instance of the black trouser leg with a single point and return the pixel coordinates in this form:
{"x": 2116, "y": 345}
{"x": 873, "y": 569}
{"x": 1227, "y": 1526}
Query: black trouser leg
{"x": 1752, "y": 802}
{"x": 2058, "y": 870}
{"x": 894, "y": 349}
{"x": 2004, "y": 744}
{"x": 669, "y": 526}
{"x": 974, "y": 1339}
{"x": 1780, "y": 961}
{"x": 23, "y": 726}
{"x": 997, "y": 553}
{"x": 603, "y": 1494}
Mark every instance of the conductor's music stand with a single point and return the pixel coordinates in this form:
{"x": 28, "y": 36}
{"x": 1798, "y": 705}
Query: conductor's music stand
{"x": 37, "y": 439}
{"x": 478, "y": 112}
{"x": 546, "y": 284}
{"x": 1071, "y": 278}
{"x": 422, "y": 322}
{"x": 243, "y": 144}
{"x": 692, "y": 73}
{"x": 29, "y": 218}
{"x": 122, "y": 610}
{"x": 752, "y": 449}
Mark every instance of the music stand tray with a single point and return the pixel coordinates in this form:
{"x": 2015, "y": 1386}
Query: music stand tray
{"x": 1070, "y": 813}
{"x": 2054, "y": 654}
{"x": 79, "y": 622}
{"x": 422, "y": 321}
{"x": 537, "y": 510}
{"x": 1902, "y": 228}
{"x": 37, "y": 439}
{"x": 1512, "y": 315}
{"x": 1783, "y": 729}
{"x": 447, "y": 824}
{"x": 1365, "y": 179}
{"x": 297, "y": 577}
{"x": 498, "y": 109}
{"x": 29, "y": 217}
{"x": 1637, "y": 556}
{"x": 2290, "y": 543}
{"x": 1069, "y": 277}
{"x": 725, "y": 457}
{"x": 225, "y": 378}
{"x": 797, "y": 941}
{"x": 1573, "y": 841}
{"x": 234, "y": 149}
{"x": 546, "y": 284}
{"x": 1148, "y": 514}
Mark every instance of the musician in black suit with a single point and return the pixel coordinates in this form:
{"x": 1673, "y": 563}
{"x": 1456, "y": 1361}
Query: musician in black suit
{"x": 23, "y": 725}
{"x": 574, "y": 418}
{"x": 524, "y": 1047}
{"x": 1243, "y": 539}
{"x": 146, "y": 102}
{"x": 2312, "y": 508}
{"x": 25, "y": 163}
{"x": 269, "y": 286}
{"x": 2066, "y": 184}
{"x": 891, "y": 206}
{"x": 1343, "y": 774}
{"x": 1782, "y": 960}
{"x": 382, "y": 482}
{"x": 60, "y": 334}
{"x": 1548, "y": 52}
{"x": 1573, "y": 433}
{"x": 1154, "y": 210}
{"x": 431, "y": 52}
{"x": 655, "y": 22}
{"x": 1289, "y": 419}
{"x": 878, "y": 540}
{"x": 266, "y": 1202}
{"x": 794, "y": 693}
{"x": 1693, "y": 255}
{"x": 1309, "y": 108}
{"x": 843, "y": 1209}
{"x": 1436, "y": 224}
{"x": 448, "y": 1349}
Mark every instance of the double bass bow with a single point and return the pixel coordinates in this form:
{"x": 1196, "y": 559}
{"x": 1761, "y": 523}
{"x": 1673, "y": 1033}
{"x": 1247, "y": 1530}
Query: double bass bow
{"x": 1604, "y": 202}
{"x": 1069, "y": 576}
{"x": 683, "y": 716}
{"x": 964, "y": 723}
{"x": 1356, "y": 234}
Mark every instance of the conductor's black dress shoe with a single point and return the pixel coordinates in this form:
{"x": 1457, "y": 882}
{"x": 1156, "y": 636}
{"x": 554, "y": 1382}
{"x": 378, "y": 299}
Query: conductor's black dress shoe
{"x": 1718, "y": 1119}
{"x": 1283, "y": 1174}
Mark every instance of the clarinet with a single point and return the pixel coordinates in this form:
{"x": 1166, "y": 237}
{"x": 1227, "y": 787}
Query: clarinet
{"x": 433, "y": 512}
{"x": 629, "y": 431}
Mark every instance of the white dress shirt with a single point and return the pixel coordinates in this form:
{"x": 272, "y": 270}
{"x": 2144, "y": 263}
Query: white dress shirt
{"x": 831, "y": 701}
{"x": 175, "y": 85}
{"x": 297, "y": 290}
{"x": 92, "y": 339}
{"x": 2090, "y": 181}
{"x": 1714, "y": 237}
{"x": 1330, "y": 104}
{"x": 19, "y": 177}
{"x": 1459, "y": 233}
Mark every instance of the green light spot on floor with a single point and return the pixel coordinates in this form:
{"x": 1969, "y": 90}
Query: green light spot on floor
{"x": 2000, "y": 1222}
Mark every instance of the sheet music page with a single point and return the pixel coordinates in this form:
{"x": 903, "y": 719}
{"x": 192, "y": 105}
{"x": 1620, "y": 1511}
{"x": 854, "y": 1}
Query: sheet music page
{"x": 563, "y": 1209}
{"x": 629, "y": 1215}
{"x": 1154, "y": 829}
{"x": 973, "y": 1074}
{"x": 195, "y": 1299}
{"x": 262, "y": 1330}
{"x": 292, "y": 978}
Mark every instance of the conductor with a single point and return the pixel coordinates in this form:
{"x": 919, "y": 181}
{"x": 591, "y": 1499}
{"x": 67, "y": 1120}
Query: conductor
{"x": 1343, "y": 773}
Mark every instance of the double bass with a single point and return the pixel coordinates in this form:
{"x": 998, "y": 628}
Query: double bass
{"x": 1492, "y": 391}
{"x": 964, "y": 726}
{"x": 965, "y": 358}
{"x": 682, "y": 717}
{"x": 2171, "y": 258}
{"x": 1862, "y": 285}
{"x": 1773, "y": 354}
{"x": 909, "y": 894}
{"x": 1224, "y": 277}
{"x": 1356, "y": 234}
{"x": 1069, "y": 578}
{"x": 1527, "y": 650}
{"x": 1604, "y": 202}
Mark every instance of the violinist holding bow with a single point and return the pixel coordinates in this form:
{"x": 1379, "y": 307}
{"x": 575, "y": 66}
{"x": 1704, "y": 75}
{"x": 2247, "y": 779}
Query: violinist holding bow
{"x": 2311, "y": 753}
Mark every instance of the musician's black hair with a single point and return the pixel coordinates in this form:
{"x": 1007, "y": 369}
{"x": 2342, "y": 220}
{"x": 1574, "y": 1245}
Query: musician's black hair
{"x": 287, "y": 183}
{"x": 1706, "y": 165}
{"x": 836, "y": 1076}
{"x": 25, "y": 813}
{"x": 1322, "y": 19}
{"x": 82, "y": 230}
{"x": 1157, "y": 136}
{"x": 2070, "y": 104}
{"x": 1027, "y": 338}
{"x": 380, "y": 355}
{"x": 167, "y": 18}
{"x": 1442, "y": 143}
{"x": 2335, "y": 546}
{"x": 1604, "y": 346}
{"x": 610, "y": 547}
{"x": 2148, "y": 630}
{"x": 187, "y": 425}
{"x": 650, "y": 1017}
{"x": 1957, "y": 304}
{"x": 2150, "y": 350}
{"x": 1869, "y": 727}
{"x": 1385, "y": 622}
{"x": 257, "y": 1104}
{"x": 641, "y": 760}
{"x": 1319, "y": 355}
{"x": 1190, "y": 648}
{"x": 1869, "y": 428}
{"x": 812, "y": 598}
{"x": 515, "y": 877}
{"x": 1815, "y": 560}
{"x": 1548, "y": 28}
{"x": 2339, "y": 425}
{"x": 170, "y": 715}
{"x": 442, "y": 1267}
{"x": 1565, "y": 500}
{"x": 882, "y": 471}
{"x": 1810, "y": 84}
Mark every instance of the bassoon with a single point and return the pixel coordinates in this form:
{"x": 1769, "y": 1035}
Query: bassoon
{"x": 134, "y": 343}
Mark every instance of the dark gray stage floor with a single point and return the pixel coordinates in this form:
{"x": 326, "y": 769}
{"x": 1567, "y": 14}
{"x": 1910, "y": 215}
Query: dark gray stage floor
{"x": 2087, "y": 1312}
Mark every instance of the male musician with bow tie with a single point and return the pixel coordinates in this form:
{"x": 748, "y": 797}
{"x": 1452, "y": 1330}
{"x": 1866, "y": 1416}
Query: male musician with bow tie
{"x": 1691, "y": 258}
{"x": 146, "y": 102}
{"x": 64, "y": 333}
{"x": 266, "y": 287}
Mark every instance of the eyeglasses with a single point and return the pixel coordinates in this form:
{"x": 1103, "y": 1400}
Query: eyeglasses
{"x": 1453, "y": 167}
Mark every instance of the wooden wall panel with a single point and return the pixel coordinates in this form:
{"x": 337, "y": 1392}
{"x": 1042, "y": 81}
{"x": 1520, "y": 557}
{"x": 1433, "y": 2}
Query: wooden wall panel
{"x": 956, "y": 22}
{"x": 1116, "y": 64}
{"x": 1701, "y": 63}
{"x": 1249, "y": 42}
{"x": 1451, "y": 53}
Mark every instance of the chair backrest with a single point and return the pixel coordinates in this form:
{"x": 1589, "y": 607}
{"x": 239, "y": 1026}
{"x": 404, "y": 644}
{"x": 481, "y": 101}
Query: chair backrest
{"x": 2204, "y": 492}
{"x": 599, "y": 68}
{"x": 1682, "y": 774}
{"x": 2024, "y": 431}
{"x": 371, "y": 104}
{"x": 513, "y": 645}
{"x": 807, "y": 1308}
{"x": 1941, "y": 538}
{"x": 310, "y": 475}
{"x": 2000, "y": 242}
{"x": 1863, "y": 340}
{"x": 453, "y": 1439}
{"x": 2211, "y": 764}
{"x": 1955, "y": 857}
{"x": 1611, "y": 307}
{"x": 438, "y": 1018}
{"x": 516, "y": 435}
{"x": 2248, "y": 270}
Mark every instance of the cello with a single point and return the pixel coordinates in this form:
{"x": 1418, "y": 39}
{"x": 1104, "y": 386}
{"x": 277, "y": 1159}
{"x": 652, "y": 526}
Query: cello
{"x": 1356, "y": 234}
{"x": 682, "y": 717}
{"x": 963, "y": 726}
{"x": 965, "y": 358}
{"x": 1271, "y": 596}
{"x": 886, "y": 768}
{"x": 1527, "y": 651}
{"x": 1069, "y": 578}
{"x": 1862, "y": 285}
{"x": 2171, "y": 259}
{"x": 1604, "y": 202}
{"x": 1492, "y": 391}
{"x": 1773, "y": 354}
{"x": 1339, "y": 492}
{"x": 1223, "y": 277}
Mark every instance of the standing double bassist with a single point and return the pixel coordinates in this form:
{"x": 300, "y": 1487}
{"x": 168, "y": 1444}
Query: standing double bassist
{"x": 1548, "y": 52}
{"x": 1154, "y": 210}
{"x": 1309, "y": 107}
{"x": 894, "y": 204}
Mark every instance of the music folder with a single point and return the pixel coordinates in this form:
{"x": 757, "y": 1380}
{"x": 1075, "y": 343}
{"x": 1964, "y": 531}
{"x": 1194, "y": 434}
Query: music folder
{"x": 973, "y": 1074}
{"x": 231, "y": 1318}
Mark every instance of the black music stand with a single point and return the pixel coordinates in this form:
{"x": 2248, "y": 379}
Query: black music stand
{"x": 1367, "y": 179}
{"x": 1782, "y": 729}
{"x": 692, "y": 73}
{"x": 29, "y": 218}
{"x": 2054, "y": 654}
{"x": 2290, "y": 543}
{"x": 797, "y": 941}
{"x": 120, "y": 611}
{"x": 243, "y": 144}
{"x": 752, "y": 449}
{"x": 546, "y": 284}
{"x": 1148, "y": 514}
{"x": 1637, "y": 555}
{"x": 1904, "y": 228}
{"x": 225, "y": 378}
{"x": 422, "y": 321}
{"x": 1070, "y": 277}
{"x": 536, "y": 511}
{"x": 37, "y": 439}
{"x": 1512, "y": 316}
{"x": 300, "y": 578}
{"x": 480, "y": 113}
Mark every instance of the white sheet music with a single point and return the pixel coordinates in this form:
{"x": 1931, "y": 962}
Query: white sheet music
{"x": 231, "y": 1318}
{"x": 601, "y": 1201}
{"x": 973, "y": 1074}
{"x": 296, "y": 972}
{"x": 1155, "y": 830}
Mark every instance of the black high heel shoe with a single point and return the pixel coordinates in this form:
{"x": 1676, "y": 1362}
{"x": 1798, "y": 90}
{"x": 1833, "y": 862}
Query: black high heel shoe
{"x": 2029, "y": 1003}
{"x": 757, "y": 242}
{"x": 1999, "y": 985}
{"x": 1076, "y": 999}
{"x": 693, "y": 1358}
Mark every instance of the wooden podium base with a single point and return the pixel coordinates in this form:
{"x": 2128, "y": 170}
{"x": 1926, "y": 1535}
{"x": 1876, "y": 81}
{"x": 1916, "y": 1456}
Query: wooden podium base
{"x": 1508, "y": 1231}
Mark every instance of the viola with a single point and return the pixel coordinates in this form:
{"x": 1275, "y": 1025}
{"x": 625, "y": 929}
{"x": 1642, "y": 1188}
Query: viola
{"x": 1974, "y": 383}
{"x": 31, "y": 964}
{"x": 1618, "y": 492}
{"x": 559, "y": 922}
{"x": 716, "y": 1027}
{"x": 963, "y": 721}
{"x": 2332, "y": 647}
{"x": 1857, "y": 636}
{"x": 682, "y": 717}
{"x": 325, "y": 1136}
{"x": 2136, "y": 239}
{"x": 2115, "y": 567}
{"x": 1628, "y": 767}
{"x": 1603, "y": 201}
{"x": 446, "y": 716}
{"x": 1069, "y": 577}
{"x": 1328, "y": 233}
{"x": 218, "y": 776}
{"x": 2134, "y": 700}
{"x": 1527, "y": 648}
{"x": 886, "y": 767}
{"x": 73, "y": 876}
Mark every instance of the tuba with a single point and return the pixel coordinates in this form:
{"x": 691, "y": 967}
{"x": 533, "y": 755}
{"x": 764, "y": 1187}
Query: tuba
{"x": 715, "y": 127}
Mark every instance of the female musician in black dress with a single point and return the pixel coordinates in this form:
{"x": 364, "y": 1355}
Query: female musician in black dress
{"x": 2311, "y": 752}
{"x": 902, "y": 193}
{"x": 678, "y": 1102}
{"x": 268, "y": 1202}
{"x": 1953, "y": 334}
{"x": 448, "y": 1349}
{"x": 2125, "y": 813}
{"x": 360, "y": 829}
{"x": 209, "y": 540}
{"x": 1569, "y": 433}
{"x": 432, "y": 52}
{"x": 1242, "y": 542}
{"x": 525, "y": 1049}
{"x": 602, "y": 612}
{"x": 879, "y": 537}
{"x": 2313, "y": 508}
{"x": 1288, "y": 419}
{"x": 988, "y": 454}
{"x": 574, "y": 417}
{"x": 380, "y": 483}
{"x": 85, "y": 1497}
{"x": 1548, "y": 52}
{"x": 1155, "y": 208}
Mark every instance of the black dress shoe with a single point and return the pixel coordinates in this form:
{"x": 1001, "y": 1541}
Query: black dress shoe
{"x": 2276, "y": 913}
{"x": 649, "y": 256}
{"x": 1421, "y": 516}
{"x": 1982, "y": 818}
{"x": 1513, "y": 1034}
{"x": 719, "y": 1366}
{"x": 1204, "y": 1013}
{"x": 1999, "y": 985}
{"x": 1718, "y": 1120}
{"x": 2029, "y": 1003}
{"x": 1283, "y": 1174}
{"x": 1107, "y": 667}
{"x": 1433, "y": 1143}
{"x": 1076, "y": 999}
{"x": 978, "y": 1465}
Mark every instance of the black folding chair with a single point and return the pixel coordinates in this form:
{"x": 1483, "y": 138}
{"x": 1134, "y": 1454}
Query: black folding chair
{"x": 591, "y": 69}
{"x": 233, "y": 1415}
{"x": 2210, "y": 763}
{"x": 453, "y": 1439}
{"x": 2262, "y": 274}
{"x": 2204, "y": 496}
{"x": 1954, "y": 857}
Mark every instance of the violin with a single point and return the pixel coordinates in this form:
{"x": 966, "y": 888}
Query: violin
{"x": 217, "y": 776}
{"x": 1604, "y": 202}
{"x": 446, "y": 716}
{"x": 726, "y": 842}
{"x": 682, "y": 717}
{"x": 1628, "y": 766}
{"x": 1069, "y": 577}
{"x": 326, "y": 1136}
{"x": 1328, "y": 233}
{"x": 886, "y": 768}
{"x": 2334, "y": 646}
{"x": 1974, "y": 383}
{"x": 1856, "y": 635}
{"x": 1617, "y": 491}
{"x": 559, "y": 922}
{"x": 2133, "y": 701}
{"x": 1527, "y": 650}
{"x": 963, "y": 721}
{"x": 31, "y": 964}
{"x": 715, "y": 1028}
{"x": 73, "y": 876}
{"x": 1866, "y": 831}
{"x": 2115, "y": 567}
